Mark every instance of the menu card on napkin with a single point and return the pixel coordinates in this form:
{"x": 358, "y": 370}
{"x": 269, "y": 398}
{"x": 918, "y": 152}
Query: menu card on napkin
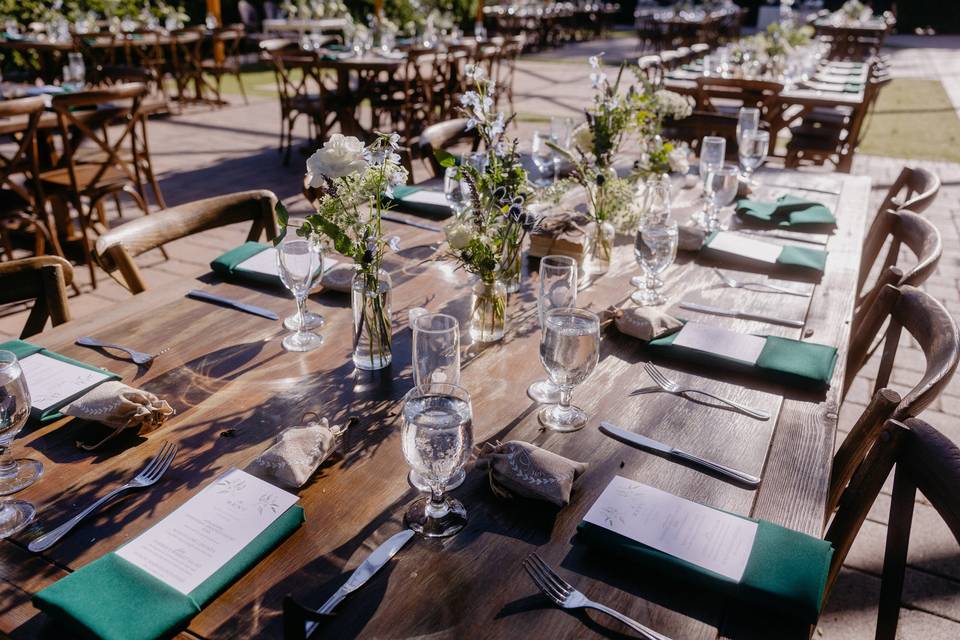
{"x": 52, "y": 381}
{"x": 722, "y": 342}
{"x": 714, "y": 540}
{"x": 196, "y": 540}
{"x": 265, "y": 262}
{"x": 427, "y": 196}
{"x": 746, "y": 247}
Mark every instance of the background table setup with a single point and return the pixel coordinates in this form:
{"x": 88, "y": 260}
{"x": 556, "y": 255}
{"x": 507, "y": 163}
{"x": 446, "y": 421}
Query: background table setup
{"x": 234, "y": 388}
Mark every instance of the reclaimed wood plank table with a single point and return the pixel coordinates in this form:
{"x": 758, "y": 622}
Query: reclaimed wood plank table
{"x": 234, "y": 388}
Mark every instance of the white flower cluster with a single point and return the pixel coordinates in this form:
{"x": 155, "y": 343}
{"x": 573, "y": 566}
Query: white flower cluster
{"x": 673, "y": 105}
{"x": 597, "y": 77}
{"x": 362, "y": 172}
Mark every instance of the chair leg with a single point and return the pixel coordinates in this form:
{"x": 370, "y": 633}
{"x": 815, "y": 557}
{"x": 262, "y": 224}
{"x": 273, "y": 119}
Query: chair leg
{"x": 5, "y": 240}
{"x": 243, "y": 91}
{"x": 895, "y": 556}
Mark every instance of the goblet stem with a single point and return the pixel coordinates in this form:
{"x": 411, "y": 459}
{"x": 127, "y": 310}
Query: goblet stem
{"x": 437, "y": 507}
{"x": 301, "y": 310}
{"x": 8, "y": 467}
{"x": 566, "y": 397}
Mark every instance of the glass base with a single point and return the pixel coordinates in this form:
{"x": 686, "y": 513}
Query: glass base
{"x": 372, "y": 363}
{"x": 703, "y": 220}
{"x": 305, "y": 341}
{"x": 442, "y": 526}
{"x": 311, "y": 321}
{"x": 417, "y": 482}
{"x": 562, "y": 419}
{"x": 544, "y": 392}
{"x": 24, "y": 474}
{"x": 15, "y": 515}
{"x": 648, "y": 298}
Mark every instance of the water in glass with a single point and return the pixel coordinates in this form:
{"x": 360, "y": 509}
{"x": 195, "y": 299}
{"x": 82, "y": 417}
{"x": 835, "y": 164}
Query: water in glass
{"x": 14, "y": 474}
{"x": 569, "y": 351}
{"x": 558, "y": 288}
{"x": 300, "y": 264}
{"x": 543, "y": 155}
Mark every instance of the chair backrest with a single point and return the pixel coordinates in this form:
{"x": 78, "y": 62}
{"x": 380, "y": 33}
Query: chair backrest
{"x": 231, "y": 38}
{"x": 698, "y": 124}
{"x": 935, "y": 330}
{"x": 762, "y": 94}
{"x": 22, "y": 155}
{"x": 43, "y": 279}
{"x": 116, "y": 249}
{"x": 444, "y": 135}
{"x": 248, "y": 15}
{"x": 915, "y": 189}
{"x": 926, "y": 460}
{"x": 900, "y": 228}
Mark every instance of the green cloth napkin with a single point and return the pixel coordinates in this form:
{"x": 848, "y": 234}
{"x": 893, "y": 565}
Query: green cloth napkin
{"x": 792, "y": 362}
{"x": 787, "y": 211}
{"x": 112, "y": 599}
{"x": 404, "y": 191}
{"x": 226, "y": 265}
{"x": 787, "y": 570}
{"x": 23, "y": 349}
{"x": 790, "y": 256}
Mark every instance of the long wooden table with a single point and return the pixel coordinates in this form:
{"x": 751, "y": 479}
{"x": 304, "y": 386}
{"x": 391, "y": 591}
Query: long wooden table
{"x": 234, "y": 388}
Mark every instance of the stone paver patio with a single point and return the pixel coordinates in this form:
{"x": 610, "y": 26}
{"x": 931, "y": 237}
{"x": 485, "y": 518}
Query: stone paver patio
{"x": 205, "y": 153}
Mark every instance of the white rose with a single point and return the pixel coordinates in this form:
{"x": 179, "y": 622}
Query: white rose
{"x": 583, "y": 138}
{"x": 458, "y": 236}
{"x": 340, "y": 156}
{"x": 679, "y": 160}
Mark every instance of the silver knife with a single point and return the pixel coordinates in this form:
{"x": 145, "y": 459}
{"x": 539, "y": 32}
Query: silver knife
{"x": 413, "y": 223}
{"x": 785, "y": 236}
{"x": 374, "y": 562}
{"x": 236, "y": 304}
{"x": 643, "y": 442}
{"x": 702, "y": 308}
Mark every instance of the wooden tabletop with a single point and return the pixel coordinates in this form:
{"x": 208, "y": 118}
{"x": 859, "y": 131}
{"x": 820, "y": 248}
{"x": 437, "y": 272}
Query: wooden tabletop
{"x": 234, "y": 388}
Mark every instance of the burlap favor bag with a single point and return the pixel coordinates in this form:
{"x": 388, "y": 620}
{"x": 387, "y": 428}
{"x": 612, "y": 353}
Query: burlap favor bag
{"x": 522, "y": 469}
{"x": 297, "y": 453}
{"x": 643, "y": 323}
{"x": 119, "y": 407}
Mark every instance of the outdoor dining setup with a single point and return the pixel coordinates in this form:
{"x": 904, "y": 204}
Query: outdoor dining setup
{"x": 463, "y": 383}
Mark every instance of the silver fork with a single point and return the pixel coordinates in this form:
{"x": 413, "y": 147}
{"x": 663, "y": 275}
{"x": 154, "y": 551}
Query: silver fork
{"x": 670, "y": 386}
{"x": 137, "y": 357}
{"x": 148, "y": 476}
{"x": 763, "y": 286}
{"x": 566, "y": 597}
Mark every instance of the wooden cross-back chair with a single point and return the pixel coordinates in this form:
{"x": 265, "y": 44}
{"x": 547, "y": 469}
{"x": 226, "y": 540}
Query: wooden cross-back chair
{"x": 186, "y": 56}
{"x": 930, "y": 325}
{"x": 144, "y": 48}
{"x": 444, "y": 135}
{"x": 229, "y": 39}
{"x": 302, "y": 93}
{"x": 98, "y": 50}
{"x": 698, "y": 124}
{"x": 915, "y": 189}
{"x": 412, "y": 102}
{"x": 116, "y": 249}
{"x": 925, "y": 460}
{"x": 21, "y": 202}
{"x": 899, "y": 228}
{"x": 113, "y": 167}
{"x": 761, "y": 94}
{"x": 505, "y": 68}
{"x": 43, "y": 280}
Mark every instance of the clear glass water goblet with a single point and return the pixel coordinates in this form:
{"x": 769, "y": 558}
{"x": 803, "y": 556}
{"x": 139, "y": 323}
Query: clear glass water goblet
{"x": 713, "y": 150}
{"x": 655, "y": 249}
{"x": 437, "y": 437}
{"x": 569, "y": 351}
{"x": 752, "y": 152}
{"x": 722, "y": 185}
{"x": 748, "y": 119}
{"x": 543, "y": 156}
{"x": 656, "y": 205}
{"x": 14, "y": 474}
{"x": 558, "y": 288}
{"x": 453, "y": 190}
{"x": 300, "y": 263}
{"x": 311, "y": 320}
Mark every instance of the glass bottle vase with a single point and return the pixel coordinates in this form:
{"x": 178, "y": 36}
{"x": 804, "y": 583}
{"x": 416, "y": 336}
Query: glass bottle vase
{"x": 372, "y": 331}
{"x": 488, "y": 311}
{"x": 599, "y": 250}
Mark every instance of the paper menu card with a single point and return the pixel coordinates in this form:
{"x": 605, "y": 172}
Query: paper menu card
{"x": 703, "y": 536}
{"x": 52, "y": 381}
{"x": 746, "y": 247}
{"x": 427, "y": 196}
{"x": 265, "y": 262}
{"x": 719, "y": 341}
{"x": 203, "y": 534}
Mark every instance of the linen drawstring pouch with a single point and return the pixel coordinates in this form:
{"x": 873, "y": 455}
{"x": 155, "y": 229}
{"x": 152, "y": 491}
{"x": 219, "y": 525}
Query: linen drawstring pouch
{"x": 521, "y": 469}
{"x": 643, "y": 323}
{"x": 297, "y": 453}
{"x": 119, "y": 407}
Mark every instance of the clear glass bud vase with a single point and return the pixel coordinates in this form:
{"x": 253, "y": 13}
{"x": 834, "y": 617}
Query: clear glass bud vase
{"x": 511, "y": 274}
{"x": 599, "y": 250}
{"x": 488, "y": 311}
{"x": 372, "y": 334}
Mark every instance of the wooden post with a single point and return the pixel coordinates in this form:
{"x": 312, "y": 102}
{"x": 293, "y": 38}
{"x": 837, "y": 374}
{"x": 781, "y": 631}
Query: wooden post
{"x": 480, "y": 11}
{"x": 213, "y": 7}
{"x": 378, "y": 8}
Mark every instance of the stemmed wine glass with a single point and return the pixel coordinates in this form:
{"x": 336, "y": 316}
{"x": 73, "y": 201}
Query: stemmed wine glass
{"x": 748, "y": 119}
{"x": 543, "y": 155}
{"x": 713, "y": 150}
{"x": 300, "y": 263}
{"x": 569, "y": 351}
{"x": 453, "y": 190}
{"x": 310, "y": 320}
{"x": 752, "y": 152}
{"x": 14, "y": 474}
{"x": 561, "y": 129}
{"x": 655, "y": 246}
{"x": 437, "y": 436}
{"x": 558, "y": 288}
{"x": 722, "y": 184}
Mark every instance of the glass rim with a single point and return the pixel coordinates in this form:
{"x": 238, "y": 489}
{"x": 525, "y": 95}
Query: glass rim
{"x": 558, "y": 260}
{"x": 8, "y": 359}
{"x": 426, "y": 389}
{"x": 416, "y": 323}
{"x": 573, "y": 311}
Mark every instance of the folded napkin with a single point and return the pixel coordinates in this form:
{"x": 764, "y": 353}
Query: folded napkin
{"x": 113, "y": 599}
{"x": 560, "y": 235}
{"x": 643, "y": 323}
{"x": 23, "y": 349}
{"x": 793, "y": 362}
{"x": 787, "y": 570}
{"x": 120, "y": 407}
{"x": 521, "y": 469}
{"x": 228, "y": 266}
{"x": 789, "y": 255}
{"x": 296, "y": 454}
{"x": 787, "y": 211}
{"x": 429, "y": 202}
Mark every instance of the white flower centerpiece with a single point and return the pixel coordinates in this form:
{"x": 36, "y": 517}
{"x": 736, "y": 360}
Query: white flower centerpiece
{"x": 487, "y": 241}
{"x": 352, "y": 182}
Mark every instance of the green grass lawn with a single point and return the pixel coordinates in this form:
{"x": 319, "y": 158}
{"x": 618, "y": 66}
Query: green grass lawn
{"x": 913, "y": 118}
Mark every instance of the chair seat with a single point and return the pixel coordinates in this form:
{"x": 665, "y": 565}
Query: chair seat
{"x": 112, "y": 178}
